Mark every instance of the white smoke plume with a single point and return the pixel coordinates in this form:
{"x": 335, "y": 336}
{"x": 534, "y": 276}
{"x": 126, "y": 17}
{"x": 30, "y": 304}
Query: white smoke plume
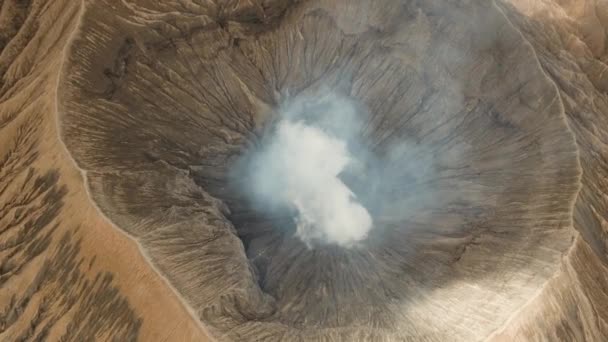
{"x": 309, "y": 164}
{"x": 299, "y": 168}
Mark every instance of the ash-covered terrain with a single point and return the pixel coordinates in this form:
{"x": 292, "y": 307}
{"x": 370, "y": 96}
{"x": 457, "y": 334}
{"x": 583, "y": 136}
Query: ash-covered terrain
{"x": 324, "y": 170}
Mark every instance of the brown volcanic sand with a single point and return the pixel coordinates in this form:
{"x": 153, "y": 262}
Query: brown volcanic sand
{"x": 65, "y": 273}
{"x": 506, "y": 101}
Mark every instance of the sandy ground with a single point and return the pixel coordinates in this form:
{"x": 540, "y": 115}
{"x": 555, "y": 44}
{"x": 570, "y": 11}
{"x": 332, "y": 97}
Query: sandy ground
{"x": 132, "y": 301}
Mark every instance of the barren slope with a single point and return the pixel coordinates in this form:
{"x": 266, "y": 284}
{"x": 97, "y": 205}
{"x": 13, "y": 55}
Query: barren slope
{"x": 65, "y": 272}
{"x": 121, "y": 120}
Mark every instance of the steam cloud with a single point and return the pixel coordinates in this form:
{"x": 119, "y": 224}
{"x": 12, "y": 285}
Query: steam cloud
{"x": 309, "y": 164}
{"x": 299, "y": 167}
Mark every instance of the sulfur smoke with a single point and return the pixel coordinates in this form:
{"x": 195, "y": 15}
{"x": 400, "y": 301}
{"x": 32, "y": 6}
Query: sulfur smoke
{"x": 299, "y": 168}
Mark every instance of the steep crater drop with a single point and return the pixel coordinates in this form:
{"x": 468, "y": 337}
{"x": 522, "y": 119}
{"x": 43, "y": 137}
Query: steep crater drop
{"x": 469, "y": 178}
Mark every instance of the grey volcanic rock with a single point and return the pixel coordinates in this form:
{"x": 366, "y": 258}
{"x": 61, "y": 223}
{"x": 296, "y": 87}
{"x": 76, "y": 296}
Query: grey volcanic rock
{"x": 481, "y": 135}
{"x": 160, "y": 102}
{"x": 488, "y": 117}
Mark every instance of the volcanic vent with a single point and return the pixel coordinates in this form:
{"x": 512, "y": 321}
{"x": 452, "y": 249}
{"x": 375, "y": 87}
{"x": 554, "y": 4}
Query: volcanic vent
{"x": 462, "y": 162}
